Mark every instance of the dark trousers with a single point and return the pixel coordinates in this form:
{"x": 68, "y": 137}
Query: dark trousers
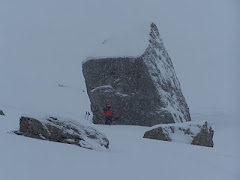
{"x": 108, "y": 120}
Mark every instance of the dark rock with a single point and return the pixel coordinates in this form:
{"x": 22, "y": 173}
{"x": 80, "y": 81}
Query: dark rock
{"x": 2, "y": 113}
{"x": 189, "y": 133}
{"x": 204, "y": 137}
{"x": 141, "y": 90}
{"x": 157, "y": 134}
{"x": 55, "y": 130}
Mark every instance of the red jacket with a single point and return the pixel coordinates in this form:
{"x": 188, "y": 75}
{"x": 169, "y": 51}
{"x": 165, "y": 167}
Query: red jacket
{"x": 108, "y": 112}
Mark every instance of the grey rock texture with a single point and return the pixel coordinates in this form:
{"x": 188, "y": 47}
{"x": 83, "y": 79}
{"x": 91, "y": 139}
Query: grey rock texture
{"x": 204, "y": 137}
{"x": 141, "y": 90}
{"x": 2, "y": 113}
{"x": 53, "y": 129}
{"x": 157, "y": 133}
{"x": 189, "y": 133}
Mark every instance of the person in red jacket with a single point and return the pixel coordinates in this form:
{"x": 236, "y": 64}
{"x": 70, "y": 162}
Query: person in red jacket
{"x": 108, "y": 114}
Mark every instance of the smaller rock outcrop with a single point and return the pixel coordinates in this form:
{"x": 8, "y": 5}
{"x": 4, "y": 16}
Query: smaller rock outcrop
{"x": 53, "y": 129}
{"x": 189, "y": 133}
{"x": 2, "y": 113}
{"x": 204, "y": 137}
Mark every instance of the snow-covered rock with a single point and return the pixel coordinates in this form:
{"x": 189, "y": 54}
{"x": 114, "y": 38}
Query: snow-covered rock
{"x": 140, "y": 85}
{"x": 56, "y": 130}
{"x": 189, "y": 133}
{"x": 2, "y": 113}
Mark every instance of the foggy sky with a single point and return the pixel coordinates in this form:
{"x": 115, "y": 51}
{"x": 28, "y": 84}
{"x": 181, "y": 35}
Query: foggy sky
{"x": 201, "y": 38}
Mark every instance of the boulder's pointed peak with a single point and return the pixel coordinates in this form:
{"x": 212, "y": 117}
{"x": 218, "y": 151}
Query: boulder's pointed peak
{"x": 154, "y": 33}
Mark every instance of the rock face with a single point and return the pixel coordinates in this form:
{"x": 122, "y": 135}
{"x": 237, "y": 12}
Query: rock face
{"x": 2, "y": 113}
{"x": 141, "y": 90}
{"x": 196, "y": 134}
{"x": 52, "y": 129}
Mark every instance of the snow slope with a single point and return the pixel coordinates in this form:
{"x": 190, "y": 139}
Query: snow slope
{"x": 42, "y": 45}
{"x": 129, "y": 157}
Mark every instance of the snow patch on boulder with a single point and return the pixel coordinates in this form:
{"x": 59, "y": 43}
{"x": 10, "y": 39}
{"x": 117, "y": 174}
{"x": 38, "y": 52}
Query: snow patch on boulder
{"x": 129, "y": 43}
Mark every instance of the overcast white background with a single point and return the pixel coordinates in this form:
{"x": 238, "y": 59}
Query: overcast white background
{"x": 201, "y": 37}
{"x": 43, "y": 43}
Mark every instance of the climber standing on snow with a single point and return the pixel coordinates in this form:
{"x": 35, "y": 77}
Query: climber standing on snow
{"x": 108, "y": 114}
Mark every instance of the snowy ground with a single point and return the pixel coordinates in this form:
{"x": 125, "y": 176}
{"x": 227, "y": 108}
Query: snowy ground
{"x": 129, "y": 157}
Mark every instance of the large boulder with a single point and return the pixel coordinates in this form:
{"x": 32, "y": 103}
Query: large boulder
{"x": 53, "y": 129}
{"x": 189, "y": 133}
{"x": 142, "y": 90}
